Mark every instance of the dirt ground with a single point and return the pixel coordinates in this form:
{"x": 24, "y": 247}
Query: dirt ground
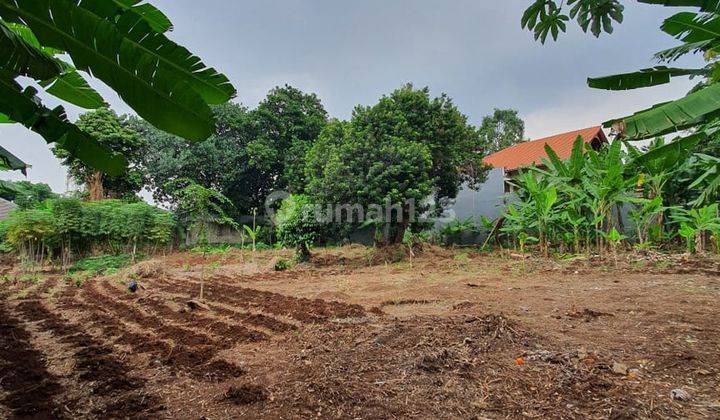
{"x": 446, "y": 334}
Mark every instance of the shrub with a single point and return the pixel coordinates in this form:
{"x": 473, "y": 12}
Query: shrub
{"x": 68, "y": 226}
{"x": 297, "y": 226}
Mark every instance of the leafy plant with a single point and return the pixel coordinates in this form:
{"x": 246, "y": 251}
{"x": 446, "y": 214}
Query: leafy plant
{"x": 696, "y": 30}
{"x": 644, "y": 214}
{"x": 698, "y": 221}
{"x": 121, "y": 43}
{"x": 614, "y": 238}
{"x": 283, "y": 264}
{"x": 297, "y": 225}
{"x": 454, "y": 231}
{"x": 102, "y": 264}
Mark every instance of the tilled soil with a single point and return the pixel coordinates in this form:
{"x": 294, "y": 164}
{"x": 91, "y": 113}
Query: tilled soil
{"x": 434, "y": 338}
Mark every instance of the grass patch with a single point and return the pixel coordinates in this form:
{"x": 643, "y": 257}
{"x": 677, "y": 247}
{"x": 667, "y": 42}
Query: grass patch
{"x": 102, "y": 264}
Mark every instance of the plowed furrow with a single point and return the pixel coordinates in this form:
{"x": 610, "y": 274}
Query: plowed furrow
{"x": 96, "y": 365}
{"x": 30, "y": 391}
{"x": 256, "y": 320}
{"x": 301, "y": 309}
{"x": 189, "y": 355}
{"x": 152, "y": 323}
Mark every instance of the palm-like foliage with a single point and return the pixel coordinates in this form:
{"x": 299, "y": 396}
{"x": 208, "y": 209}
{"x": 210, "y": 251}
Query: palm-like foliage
{"x": 120, "y": 42}
{"x": 699, "y": 32}
{"x": 697, "y": 222}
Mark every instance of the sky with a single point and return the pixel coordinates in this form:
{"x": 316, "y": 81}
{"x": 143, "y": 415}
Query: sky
{"x": 353, "y": 52}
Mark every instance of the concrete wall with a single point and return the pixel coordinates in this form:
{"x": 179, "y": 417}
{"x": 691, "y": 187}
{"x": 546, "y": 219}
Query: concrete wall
{"x": 488, "y": 201}
{"x": 216, "y": 234}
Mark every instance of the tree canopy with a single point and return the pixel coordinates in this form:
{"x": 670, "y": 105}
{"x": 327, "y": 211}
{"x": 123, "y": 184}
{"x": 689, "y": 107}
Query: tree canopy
{"x": 409, "y": 146}
{"x": 109, "y": 130}
{"x": 25, "y": 193}
{"x": 502, "y": 129}
{"x": 252, "y": 152}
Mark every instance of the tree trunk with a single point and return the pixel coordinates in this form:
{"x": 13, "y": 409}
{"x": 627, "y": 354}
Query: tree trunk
{"x": 95, "y": 186}
{"x": 700, "y": 242}
{"x": 402, "y": 227}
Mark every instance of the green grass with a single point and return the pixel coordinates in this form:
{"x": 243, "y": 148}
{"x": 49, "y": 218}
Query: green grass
{"x": 102, "y": 264}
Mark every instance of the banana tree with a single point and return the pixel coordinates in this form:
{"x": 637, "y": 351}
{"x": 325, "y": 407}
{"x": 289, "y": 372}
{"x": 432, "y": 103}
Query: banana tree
{"x": 709, "y": 180}
{"x": 701, "y": 221}
{"x": 699, "y": 33}
{"x": 644, "y": 214}
{"x": 542, "y": 199}
{"x": 121, "y": 42}
{"x": 607, "y": 187}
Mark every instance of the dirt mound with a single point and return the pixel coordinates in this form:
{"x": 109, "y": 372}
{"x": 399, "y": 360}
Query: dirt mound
{"x": 246, "y": 394}
{"x": 148, "y": 269}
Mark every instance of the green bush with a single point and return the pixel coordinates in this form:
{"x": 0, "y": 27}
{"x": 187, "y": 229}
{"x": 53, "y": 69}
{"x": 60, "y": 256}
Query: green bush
{"x": 64, "y": 227}
{"x": 283, "y": 264}
{"x": 297, "y": 226}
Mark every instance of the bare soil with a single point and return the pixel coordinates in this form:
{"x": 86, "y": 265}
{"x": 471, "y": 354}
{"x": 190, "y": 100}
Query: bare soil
{"x": 359, "y": 334}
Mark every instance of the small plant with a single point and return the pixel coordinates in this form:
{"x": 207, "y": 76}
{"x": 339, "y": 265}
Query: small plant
{"x": 697, "y": 221}
{"x": 614, "y": 238}
{"x": 523, "y": 240}
{"x": 688, "y": 233}
{"x": 283, "y": 264}
{"x": 102, "y": 264}
{"x": 453, "y": 232}
{"x": 78, "y": 278}
{"x": 252, "y": 234}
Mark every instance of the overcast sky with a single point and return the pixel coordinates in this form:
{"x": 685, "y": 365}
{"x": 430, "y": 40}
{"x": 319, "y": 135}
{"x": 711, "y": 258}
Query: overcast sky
{"x": 353, "y": 52}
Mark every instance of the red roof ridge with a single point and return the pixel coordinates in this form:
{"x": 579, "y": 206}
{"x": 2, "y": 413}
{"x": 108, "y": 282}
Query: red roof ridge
{"x": 532, "y": 152}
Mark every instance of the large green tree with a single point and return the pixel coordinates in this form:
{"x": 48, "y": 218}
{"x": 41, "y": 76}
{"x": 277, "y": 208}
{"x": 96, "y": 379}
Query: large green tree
{"x": 407, "y": 147}
{"x": 108, "y": 130}
{"x": 288, "y": 122}
{"x": 502, "y": 129}
{"x": 124, "y": 44}
{"x": 252, "y": 152}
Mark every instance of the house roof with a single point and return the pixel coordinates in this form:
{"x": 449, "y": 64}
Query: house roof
{"x": 529, "y": 152}
{"x": 5, "y": 208}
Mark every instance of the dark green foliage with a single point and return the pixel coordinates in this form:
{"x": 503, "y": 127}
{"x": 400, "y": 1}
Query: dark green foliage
{"x": 10, "y": 162}
{"x": 68, "y": 227}
{"x": 502, "y": 129}
{"x": 298, "y": 226}
{"x": 251, "y": 154}
{"x": 27, "y": 194}
{"x": 109, "y": 130}
{"x": 120, "y": 42}
{"x": 102, "y": 264}
{"x": 288, "y": 122}
{"x": 576, "y": 204}
{"x": 406, "y": 147}
{"x": 283, "y": 265}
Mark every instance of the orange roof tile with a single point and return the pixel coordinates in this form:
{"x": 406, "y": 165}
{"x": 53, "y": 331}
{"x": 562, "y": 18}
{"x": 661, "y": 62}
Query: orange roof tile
{"x": 529, "y": 152}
